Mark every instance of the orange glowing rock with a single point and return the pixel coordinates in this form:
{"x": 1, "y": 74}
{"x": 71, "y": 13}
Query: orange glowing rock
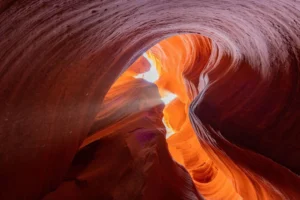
{"x": 90, "y": 109}
{"x": 214, "y": 174}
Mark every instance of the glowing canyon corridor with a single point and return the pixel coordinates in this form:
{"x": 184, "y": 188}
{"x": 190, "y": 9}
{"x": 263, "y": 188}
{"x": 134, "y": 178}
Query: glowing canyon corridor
{"x": 149, "y": 99}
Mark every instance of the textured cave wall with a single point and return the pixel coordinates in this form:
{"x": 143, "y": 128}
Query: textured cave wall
{"x": 60, "y": 58}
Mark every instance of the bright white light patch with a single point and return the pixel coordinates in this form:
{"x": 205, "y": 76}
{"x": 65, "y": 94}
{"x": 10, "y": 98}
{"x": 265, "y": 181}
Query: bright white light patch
{"x": 168, "y": 98}
{"x": 151, "y": 75}
{"x": 169, "y": 131}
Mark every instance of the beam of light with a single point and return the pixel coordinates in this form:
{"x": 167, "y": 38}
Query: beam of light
{"x": 152, "y": 76}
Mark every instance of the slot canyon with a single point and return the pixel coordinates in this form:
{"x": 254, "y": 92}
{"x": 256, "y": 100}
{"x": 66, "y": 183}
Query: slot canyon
{"x": 150, "y": 99}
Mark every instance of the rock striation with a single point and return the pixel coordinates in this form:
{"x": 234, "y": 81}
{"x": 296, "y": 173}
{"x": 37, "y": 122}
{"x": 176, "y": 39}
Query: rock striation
{"x": 76, "y": 123}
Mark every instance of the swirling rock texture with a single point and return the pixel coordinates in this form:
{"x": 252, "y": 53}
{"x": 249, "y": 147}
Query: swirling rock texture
{"x": 77, "y": 123}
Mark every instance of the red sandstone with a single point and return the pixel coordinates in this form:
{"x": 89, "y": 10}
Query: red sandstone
{"x": 76, "y": 124}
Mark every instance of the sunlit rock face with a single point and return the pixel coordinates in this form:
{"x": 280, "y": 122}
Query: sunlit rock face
{"x": 150, "y": 99}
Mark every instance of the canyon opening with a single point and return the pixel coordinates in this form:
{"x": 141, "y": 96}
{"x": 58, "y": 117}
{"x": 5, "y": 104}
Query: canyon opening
{"x": 154, "y": 99}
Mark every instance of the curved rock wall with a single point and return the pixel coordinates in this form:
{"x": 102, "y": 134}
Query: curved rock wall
{"x": 60, "y": 58}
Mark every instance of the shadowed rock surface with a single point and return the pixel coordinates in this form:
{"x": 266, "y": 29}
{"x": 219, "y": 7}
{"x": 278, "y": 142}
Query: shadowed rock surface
{"x": 76, "y": 124}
